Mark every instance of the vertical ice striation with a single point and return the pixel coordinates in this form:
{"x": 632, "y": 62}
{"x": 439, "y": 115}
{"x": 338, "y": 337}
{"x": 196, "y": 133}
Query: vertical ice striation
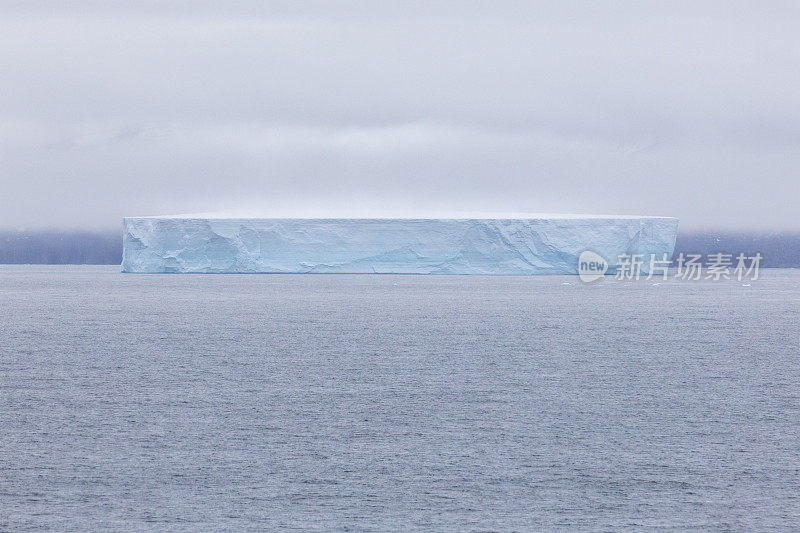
{"x": 494, "y": 246}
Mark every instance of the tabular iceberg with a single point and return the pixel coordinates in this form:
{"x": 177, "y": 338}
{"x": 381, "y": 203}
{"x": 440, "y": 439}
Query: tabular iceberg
{"x": 492, "y": 246}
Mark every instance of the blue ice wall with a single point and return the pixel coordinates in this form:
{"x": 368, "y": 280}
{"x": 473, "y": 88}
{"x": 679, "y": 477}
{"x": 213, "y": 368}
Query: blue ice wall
{"x": 546, "y": 245}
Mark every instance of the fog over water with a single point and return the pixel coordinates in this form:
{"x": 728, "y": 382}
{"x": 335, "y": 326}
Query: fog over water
{"x": 145, "y": 108}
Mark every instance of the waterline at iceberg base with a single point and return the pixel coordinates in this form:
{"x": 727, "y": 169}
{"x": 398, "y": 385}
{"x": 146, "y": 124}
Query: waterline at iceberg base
{"x": 487, "y": 246}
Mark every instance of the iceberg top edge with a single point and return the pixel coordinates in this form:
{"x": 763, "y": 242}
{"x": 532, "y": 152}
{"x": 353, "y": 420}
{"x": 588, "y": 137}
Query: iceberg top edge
{"x": 503, "y": 217}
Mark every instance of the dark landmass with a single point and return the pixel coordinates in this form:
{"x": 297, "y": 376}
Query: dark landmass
{"x": 779, "y": 250}
{"x": 60, "y": 248}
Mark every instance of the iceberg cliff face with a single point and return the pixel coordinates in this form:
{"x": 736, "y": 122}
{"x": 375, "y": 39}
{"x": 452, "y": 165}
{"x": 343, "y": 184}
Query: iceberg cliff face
{"x": 546, "y": 245}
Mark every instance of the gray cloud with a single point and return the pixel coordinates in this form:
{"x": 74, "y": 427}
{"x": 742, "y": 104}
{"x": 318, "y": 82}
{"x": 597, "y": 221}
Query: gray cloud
{"x": 145, "y": 108}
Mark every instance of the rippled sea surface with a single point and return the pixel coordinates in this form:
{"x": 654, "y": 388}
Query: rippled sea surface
{"x": 336, "y": 402}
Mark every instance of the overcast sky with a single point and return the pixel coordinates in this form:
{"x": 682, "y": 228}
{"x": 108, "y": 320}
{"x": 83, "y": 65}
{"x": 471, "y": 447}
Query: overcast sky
{"x": 335, "y": 108}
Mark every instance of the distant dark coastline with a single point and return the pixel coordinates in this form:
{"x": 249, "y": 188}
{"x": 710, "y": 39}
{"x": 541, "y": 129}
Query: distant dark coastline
{"x": 60, "y": 248}
{"x": 779, "y": 250}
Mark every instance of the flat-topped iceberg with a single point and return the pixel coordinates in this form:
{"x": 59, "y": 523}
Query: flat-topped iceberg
{"x": 549, "y": 244}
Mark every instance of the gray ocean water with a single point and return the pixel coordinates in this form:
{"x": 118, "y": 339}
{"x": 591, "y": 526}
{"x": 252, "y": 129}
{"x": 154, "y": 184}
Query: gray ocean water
{"x": 335, "y": 402}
